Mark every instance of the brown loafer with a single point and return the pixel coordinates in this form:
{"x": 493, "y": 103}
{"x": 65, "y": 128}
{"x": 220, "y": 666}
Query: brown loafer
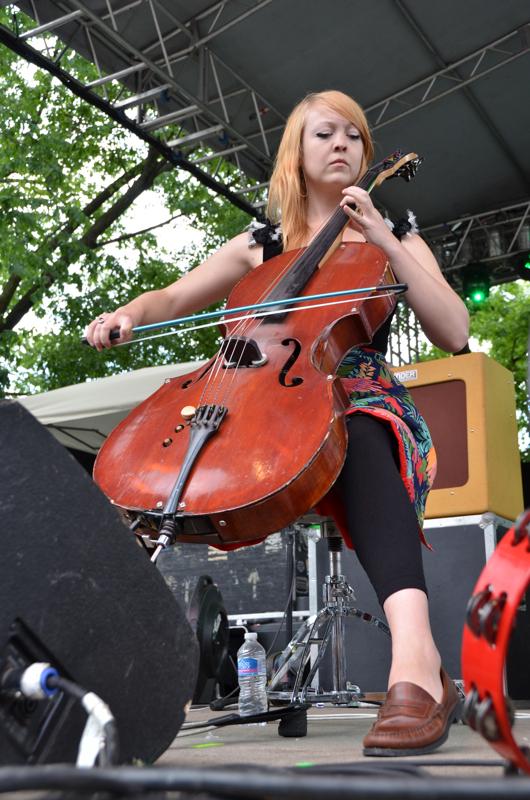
{"x": 411, "y": 722}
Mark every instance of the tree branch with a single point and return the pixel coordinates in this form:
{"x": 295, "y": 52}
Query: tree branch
{"x": 153, "y": 166}
{"x": 113, "y": 187}
{"x": 23, "y": 179}
{"x": 24, "y": 304}
{"x": 10, "y": 287}
{"x": 95, "y": 204}
{"x": 136, "y": 233}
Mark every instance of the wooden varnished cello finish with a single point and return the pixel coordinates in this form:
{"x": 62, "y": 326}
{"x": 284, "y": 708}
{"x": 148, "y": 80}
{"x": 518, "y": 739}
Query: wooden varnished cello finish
{"x": 281, "y": 446}
{"x": 282, "y": 442}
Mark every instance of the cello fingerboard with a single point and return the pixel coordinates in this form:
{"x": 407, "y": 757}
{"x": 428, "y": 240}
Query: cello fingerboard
{"x": 294, "y": 281}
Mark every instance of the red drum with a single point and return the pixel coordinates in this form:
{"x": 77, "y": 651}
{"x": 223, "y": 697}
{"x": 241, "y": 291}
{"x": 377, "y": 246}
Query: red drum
{"x": 490, "y": 619}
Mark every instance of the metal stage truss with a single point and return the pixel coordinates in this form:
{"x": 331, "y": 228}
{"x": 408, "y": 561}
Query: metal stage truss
{"x": 499, "y": 238}
{"x": 171, "y": 73}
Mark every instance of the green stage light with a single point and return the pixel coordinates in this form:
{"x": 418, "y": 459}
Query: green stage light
{"x": 478, "y": 296}
{"x": 476, "y": 284}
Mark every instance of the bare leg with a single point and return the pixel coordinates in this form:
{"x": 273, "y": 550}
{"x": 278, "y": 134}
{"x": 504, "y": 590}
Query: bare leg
{"x": 415, "y": 657}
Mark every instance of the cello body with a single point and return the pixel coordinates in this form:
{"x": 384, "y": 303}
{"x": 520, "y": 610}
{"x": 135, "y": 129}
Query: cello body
{"x": 282, "y": 441}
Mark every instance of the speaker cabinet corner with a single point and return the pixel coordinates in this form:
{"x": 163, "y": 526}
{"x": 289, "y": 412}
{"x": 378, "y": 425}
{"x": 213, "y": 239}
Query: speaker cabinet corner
{"x": 468, "y": 403}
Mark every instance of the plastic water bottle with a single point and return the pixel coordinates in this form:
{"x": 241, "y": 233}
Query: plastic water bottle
{"x": 252, "y": 677}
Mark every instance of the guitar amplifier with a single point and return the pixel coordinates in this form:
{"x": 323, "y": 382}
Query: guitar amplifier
{"x": 468, "y": 403}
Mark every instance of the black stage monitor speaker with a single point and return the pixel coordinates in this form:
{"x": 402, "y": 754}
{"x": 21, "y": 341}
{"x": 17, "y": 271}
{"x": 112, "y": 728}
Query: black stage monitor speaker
{"x": 78, "y": 591}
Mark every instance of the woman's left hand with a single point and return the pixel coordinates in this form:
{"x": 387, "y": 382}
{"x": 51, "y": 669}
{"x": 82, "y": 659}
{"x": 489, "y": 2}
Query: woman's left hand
{"x": 365, "y": 218}
{"x": 441, "y": 313}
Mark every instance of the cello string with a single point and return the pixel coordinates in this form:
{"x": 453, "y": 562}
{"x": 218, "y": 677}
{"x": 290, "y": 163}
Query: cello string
{"x": 242, "y": 328}
{"x": 259, "y": 318}
{"x": 213, "y": 382}
{"x": 250, "y": 323}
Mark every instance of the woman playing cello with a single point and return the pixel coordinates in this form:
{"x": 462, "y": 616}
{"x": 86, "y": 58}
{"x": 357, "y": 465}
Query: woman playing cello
{"x": 390, "y": 462}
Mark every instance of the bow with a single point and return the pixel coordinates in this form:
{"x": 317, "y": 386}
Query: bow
{"x": 267, "y": 308}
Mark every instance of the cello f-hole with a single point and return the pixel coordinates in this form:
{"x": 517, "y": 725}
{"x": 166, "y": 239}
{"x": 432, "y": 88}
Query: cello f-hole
{"x": 208, "y": 367}
{"x": 293, "y": 358}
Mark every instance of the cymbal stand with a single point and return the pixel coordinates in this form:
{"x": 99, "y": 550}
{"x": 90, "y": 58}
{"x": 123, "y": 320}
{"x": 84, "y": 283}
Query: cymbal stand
{"x": 317, "y": 632}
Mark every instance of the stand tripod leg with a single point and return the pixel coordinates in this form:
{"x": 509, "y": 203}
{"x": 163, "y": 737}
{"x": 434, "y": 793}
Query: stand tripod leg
{"x": 365, "y": 616}
{"x": 298, "y": 652}
{"x": 293, "y": 653}
{"x": 300, "y": 689}
{"x": 339, "y": 652}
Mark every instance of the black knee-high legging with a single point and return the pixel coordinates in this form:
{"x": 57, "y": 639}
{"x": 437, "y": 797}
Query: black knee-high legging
{"x": 381, "y": 519}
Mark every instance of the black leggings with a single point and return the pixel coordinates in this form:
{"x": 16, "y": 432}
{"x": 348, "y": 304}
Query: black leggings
{"x": 381, "y": 519}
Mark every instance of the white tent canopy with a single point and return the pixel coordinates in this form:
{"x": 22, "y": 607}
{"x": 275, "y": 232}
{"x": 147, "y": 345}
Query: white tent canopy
{"x": 81, "y": 416}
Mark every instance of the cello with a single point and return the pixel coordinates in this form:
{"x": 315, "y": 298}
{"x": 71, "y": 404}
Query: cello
{"x": 214, "y": 456}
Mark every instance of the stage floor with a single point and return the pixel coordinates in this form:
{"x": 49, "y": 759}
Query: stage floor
{"x": 334, "y": 737}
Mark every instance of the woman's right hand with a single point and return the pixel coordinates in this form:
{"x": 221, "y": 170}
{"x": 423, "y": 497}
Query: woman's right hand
{"x": 98, "y": 332}
{"x": 207, "y": 283}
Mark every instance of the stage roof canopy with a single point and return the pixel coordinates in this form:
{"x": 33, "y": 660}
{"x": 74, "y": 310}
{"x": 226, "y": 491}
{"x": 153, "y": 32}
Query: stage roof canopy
{"x": 448, "y": 80}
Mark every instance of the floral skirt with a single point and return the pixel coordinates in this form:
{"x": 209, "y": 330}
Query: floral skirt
{"x": 374, "y": 390}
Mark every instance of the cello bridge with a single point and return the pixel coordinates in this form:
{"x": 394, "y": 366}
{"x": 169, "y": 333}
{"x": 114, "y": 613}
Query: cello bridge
{"x": 238, "y": 351}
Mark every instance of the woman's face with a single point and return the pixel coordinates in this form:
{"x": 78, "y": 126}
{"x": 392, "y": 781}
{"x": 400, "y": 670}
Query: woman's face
{"x": 332, "y": 149}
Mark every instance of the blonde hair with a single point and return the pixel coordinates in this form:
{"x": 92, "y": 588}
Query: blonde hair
{"x": 287, "y": 192}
